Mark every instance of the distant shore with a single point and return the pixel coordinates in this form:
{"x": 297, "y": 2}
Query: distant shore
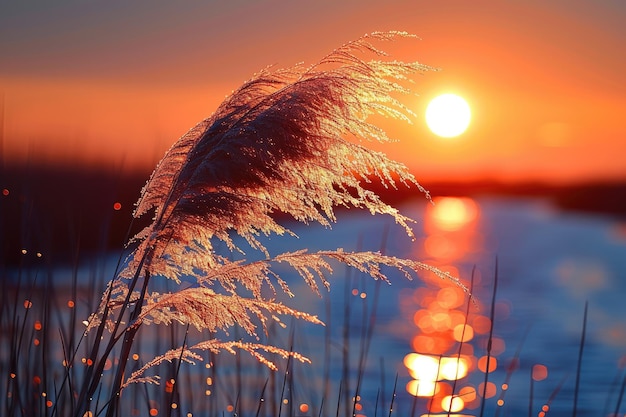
{"x": 61, "y": 212}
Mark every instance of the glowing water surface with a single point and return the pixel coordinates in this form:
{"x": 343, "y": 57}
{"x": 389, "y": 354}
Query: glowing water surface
{"x": 428, "y": 333}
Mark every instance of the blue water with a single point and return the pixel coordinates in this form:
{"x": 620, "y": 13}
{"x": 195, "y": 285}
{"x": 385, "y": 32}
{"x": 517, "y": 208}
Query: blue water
{"x": 549, "y": 264}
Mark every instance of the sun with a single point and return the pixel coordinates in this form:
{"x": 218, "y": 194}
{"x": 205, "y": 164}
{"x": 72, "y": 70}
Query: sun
{"x": 448, "y": 115}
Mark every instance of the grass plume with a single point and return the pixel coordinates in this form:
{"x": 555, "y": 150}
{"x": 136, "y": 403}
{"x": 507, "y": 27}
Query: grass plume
{"x": 289, "y": 142}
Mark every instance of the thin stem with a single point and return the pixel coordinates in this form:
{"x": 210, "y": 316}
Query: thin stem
{"x": 129, "y": 336}
{"x": 492, "y": 315}
{"x": 580, "y": 360}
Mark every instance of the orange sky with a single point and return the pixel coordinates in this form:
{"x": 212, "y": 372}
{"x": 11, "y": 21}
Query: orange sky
{"x": 116, "y": 83}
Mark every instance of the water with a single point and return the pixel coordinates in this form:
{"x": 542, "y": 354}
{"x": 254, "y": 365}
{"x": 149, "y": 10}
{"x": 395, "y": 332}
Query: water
{"x": 549, "y": 264}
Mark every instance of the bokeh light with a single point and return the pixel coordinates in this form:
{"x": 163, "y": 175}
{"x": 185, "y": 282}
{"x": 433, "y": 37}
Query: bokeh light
{"x": 540, "y": 372}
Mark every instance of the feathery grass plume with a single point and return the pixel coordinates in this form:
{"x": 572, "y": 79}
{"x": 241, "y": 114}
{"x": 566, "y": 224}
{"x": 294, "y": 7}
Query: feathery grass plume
{"x": 288, "y": 141}
{"x": 189, "y": 354}
{"x": 278, "y": 144}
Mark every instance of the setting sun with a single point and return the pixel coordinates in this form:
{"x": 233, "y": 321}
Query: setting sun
{"x": 448, "y": 115}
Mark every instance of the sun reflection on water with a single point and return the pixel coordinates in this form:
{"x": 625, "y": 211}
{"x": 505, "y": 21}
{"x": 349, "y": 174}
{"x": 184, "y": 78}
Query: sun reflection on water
{"x": 452, "y": 213}
{"x": 450, "y": 339}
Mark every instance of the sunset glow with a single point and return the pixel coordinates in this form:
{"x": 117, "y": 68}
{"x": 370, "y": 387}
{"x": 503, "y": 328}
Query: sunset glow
{"x": 470, "y": 157}
{"x": 450, "y": 340}
{"x": 531, "y": 120}
{"x": 448, "y": 115}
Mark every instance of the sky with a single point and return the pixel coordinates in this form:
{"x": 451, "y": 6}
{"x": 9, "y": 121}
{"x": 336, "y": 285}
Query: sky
{"x": 113, "y": 84}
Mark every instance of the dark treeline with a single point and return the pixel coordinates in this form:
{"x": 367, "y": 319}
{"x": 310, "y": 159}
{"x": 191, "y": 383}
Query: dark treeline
{"x": 65, "y": 212}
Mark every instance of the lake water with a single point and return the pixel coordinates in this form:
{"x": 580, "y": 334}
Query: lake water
{"x": 549, "y": 264}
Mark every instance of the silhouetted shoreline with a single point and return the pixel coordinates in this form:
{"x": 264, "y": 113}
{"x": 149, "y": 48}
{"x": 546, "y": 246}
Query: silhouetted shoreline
{"x": 65, "y": 212}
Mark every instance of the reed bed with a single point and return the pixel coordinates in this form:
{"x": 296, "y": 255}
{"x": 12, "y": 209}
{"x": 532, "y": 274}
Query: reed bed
{"x": 39, "y": 338}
